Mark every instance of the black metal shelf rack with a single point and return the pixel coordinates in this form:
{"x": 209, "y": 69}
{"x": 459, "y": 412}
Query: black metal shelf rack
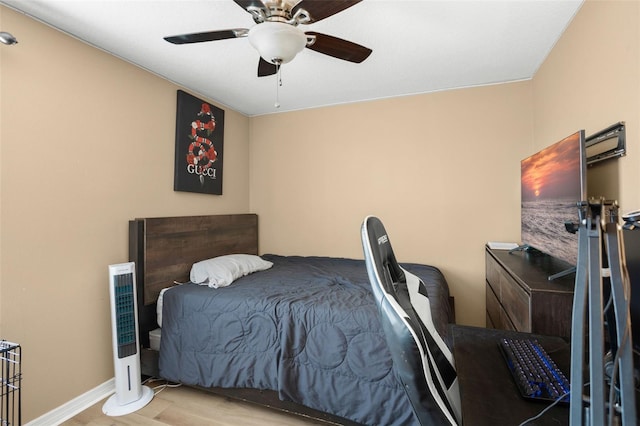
{"x": 10, "y": 378}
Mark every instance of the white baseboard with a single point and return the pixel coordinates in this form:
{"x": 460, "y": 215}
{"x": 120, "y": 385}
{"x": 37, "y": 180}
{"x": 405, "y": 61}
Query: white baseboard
{"x": 76, "y": 405}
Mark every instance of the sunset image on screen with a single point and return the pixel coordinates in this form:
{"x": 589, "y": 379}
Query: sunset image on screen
{"x": 551, "y": 173}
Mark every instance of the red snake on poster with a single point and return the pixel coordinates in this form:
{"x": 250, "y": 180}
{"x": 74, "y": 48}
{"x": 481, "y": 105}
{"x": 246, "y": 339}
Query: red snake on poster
{"x": 202, "y": 153}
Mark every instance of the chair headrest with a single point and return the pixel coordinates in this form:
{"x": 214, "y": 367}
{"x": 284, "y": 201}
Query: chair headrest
{"x": 385, "y": 261}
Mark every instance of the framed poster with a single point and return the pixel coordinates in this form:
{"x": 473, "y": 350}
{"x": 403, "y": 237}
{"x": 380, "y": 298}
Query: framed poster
{"x": 199, "y": 146}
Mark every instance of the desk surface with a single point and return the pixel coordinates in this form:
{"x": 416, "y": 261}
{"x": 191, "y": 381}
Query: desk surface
{"x": 487, "y": 390}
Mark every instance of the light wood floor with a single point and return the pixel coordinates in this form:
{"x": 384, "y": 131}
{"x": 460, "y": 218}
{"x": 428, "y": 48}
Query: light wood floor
{"x": 184, "y": 406}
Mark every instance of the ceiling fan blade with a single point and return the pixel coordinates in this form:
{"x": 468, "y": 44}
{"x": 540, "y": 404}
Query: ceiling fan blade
{"x": 339, "y": 48}
{"x": 320, "y": 9}
{"x": 266, "y": 68}
{"x": 208, "y": 36}
{"x": 246, "y": 3}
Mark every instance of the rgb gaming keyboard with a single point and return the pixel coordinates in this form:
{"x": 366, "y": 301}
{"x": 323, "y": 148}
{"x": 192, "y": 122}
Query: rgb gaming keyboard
{"x": 536, "y": 375}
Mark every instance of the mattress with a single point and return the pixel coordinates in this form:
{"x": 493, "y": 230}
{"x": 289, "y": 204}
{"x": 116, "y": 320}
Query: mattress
{"x": 307, "y": 328}
{"x": 159, "y": 304}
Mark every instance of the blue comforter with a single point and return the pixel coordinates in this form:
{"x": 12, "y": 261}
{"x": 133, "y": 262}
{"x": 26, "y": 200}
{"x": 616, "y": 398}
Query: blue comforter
{"x": 307, "y": 328}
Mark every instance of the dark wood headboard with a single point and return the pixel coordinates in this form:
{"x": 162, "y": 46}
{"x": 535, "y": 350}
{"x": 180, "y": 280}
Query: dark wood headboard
{"x": 164, "y": 248}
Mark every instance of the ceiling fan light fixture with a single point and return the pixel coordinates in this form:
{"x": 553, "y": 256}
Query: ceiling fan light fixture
{"x": 277, "y": 41}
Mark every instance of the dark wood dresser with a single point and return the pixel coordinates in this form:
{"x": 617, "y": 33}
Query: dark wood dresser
{"x": 520, "y": 297}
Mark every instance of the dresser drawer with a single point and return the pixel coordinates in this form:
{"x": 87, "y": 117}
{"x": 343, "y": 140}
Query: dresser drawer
{"x": 516, "y": 303}
{"x": 492, "y": 271}
{"x": 493, "y": 308}
{"x": 496, "y": 315}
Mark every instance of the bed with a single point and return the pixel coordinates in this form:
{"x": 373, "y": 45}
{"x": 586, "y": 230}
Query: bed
{"x": 303, "y": 336}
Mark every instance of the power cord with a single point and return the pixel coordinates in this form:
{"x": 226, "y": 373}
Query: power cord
{"x": 159, "y": 388}
{"x": 543, "y": 412}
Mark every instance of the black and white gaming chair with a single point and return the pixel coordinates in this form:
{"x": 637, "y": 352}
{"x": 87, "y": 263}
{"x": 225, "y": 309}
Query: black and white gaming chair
{"x": 424, "y": 364}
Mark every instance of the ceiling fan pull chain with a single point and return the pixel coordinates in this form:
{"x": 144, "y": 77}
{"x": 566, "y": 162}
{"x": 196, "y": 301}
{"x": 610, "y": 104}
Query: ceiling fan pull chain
{"x": 278, "y": 83}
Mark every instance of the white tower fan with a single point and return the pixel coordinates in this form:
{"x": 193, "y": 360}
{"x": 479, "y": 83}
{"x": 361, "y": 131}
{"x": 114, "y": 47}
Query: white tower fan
{"x": 130, "y": 395}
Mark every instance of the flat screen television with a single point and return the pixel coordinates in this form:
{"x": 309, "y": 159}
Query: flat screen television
{"x": 553, "y": 181}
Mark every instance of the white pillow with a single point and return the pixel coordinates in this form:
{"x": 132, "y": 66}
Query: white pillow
{"x": 223, "y": 270}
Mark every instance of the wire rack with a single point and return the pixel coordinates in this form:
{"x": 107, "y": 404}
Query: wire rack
{"x": 10, "y": 377}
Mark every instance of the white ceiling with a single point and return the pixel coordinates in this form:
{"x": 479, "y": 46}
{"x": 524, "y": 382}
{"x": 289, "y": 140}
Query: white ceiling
{"x": 419, "y": 46}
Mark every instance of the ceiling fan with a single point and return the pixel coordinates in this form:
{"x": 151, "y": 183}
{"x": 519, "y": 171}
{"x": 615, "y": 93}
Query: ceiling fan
{"x": 276, "y": 35}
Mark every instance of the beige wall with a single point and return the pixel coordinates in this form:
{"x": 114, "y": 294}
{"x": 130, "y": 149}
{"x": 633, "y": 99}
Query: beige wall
{"x": 441, "y": 171}
{"x": 86, "y": 143}
{"x": 591, "y": 80}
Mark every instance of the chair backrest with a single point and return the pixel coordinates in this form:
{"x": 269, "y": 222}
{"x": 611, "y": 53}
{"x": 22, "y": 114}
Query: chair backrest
{"x": 423, "y": 363}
